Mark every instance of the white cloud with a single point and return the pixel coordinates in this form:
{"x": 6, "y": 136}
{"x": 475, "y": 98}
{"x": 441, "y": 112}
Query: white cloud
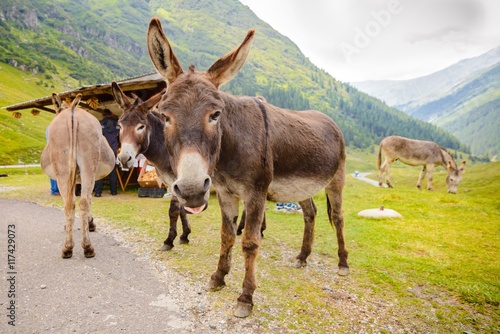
{"x": 417, "y": 38}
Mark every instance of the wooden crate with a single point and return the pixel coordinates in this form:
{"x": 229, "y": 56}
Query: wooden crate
{"x": 145, "y": 180}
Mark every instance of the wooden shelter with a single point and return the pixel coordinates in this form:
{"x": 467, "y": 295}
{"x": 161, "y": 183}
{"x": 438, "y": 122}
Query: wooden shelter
{"x": 96, "y": 98}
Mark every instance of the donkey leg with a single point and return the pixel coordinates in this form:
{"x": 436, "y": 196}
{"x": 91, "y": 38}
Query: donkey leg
{"x": 186, "y": 229}
{"x": 229, "y": 210}
{"x": 381, "y": 174}
{"x": 85, "y": 216}
{"x": 91, "y": 223}
{"x": 387, "y": 174}
{"x": 69, "y": 213}
{"x": 429, "y": 177}
{"x": 241, "y": 226}
{"x": 336, "y": 217}
{"x": 173, "y": 214}
{"x": 250, "y": 243}
{"x": 263, "y": 226}
{"x": 309, "y": 211}
{"x": 421, "y": 177}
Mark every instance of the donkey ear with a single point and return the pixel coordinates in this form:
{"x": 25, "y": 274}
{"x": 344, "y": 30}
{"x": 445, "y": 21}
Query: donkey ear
{"x": 148, "y": 105}
{"x": 75, "y": 102}
{"x": 152, "y": 101}
{"x": 56, "y": 100}
{"x": 161, "y": 53}
{"x": 123, "y": 100}
{"x": 229, "y": 65}
{"x": 462, "y": 166}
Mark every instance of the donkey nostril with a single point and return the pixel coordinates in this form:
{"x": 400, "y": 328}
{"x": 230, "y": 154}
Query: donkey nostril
{"x": 177, "y": 190}
{"x": 129, "y": 158}
{"x": 206, "y": 185}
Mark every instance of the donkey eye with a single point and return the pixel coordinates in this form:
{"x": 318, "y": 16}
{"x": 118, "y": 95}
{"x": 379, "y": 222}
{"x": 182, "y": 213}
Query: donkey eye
{"x": 168, "y": 120}
{"x": 215, "y": 116}
{"x": 141, "y": 127}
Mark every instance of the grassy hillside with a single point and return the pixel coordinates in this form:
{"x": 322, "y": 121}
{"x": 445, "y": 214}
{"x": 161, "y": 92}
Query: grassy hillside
{"x": 434, "y": 271}
{"x": 22, "y": 140}
{"x": 71, "y": 43}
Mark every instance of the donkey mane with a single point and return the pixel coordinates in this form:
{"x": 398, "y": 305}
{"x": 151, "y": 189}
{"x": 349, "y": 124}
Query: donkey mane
{"x": 449, "y": 156}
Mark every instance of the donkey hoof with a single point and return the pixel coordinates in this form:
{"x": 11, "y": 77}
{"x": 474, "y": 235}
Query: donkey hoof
{"x": 214, "y": 286}
{"x": 183, "y": 241}
{"x": 165, "y": 247}
{"x": 299, "y": 263}
{"x": 66, "y": 254}
{"x": 89, "y": 252}
{"x": 242, "y": 310}
{"x": 343, "y": 271}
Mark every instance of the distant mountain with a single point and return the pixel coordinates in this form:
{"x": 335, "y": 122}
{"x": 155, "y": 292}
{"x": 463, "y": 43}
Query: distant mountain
{"x": 402, "y": 93}
{"x": 69, "y": 43}
{"x": 461, "y": 99}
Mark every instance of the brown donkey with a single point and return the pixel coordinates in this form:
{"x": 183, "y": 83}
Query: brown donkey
{"x": 417, "y": 153}
{"x": 141, "y": 131}
{"x": 250, "y": 150}
{"x": 76, "y": 152}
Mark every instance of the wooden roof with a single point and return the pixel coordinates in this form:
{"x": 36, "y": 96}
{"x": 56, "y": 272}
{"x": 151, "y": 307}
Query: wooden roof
{"x": 96, "y": 98}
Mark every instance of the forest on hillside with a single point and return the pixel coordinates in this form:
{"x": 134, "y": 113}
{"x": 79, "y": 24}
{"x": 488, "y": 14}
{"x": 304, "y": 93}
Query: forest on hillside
{"x": 82, "y": 42}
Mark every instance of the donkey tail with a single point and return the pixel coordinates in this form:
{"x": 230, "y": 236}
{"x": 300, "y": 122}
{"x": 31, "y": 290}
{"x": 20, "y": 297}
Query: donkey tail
{"x": 379, "y": 157}
{"x": 72, "y": 163}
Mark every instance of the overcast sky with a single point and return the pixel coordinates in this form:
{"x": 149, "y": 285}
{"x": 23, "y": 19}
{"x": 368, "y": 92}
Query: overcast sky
{"x": 357, "y": 40}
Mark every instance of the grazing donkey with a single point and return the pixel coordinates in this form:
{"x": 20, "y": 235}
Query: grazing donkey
{"x": 250, "y": 150}
{"x": 76, "y": 152}
{"x": 416, "y": 153}
{"x": 141, "y": 131}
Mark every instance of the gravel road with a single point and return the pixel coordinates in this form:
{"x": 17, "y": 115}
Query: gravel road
{"x": 118, "y": 291}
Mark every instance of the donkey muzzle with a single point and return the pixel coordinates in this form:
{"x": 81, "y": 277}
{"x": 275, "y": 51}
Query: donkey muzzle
{"x": 192, "y": 195}
{"x": 192, "y": 186}
{"x": 126, "y": 157}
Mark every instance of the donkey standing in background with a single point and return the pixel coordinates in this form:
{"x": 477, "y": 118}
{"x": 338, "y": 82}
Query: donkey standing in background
{"x": 250, "y": 150}
{"x": 416, "y": 153}
{"x": 76, "y": 152}
{"x": 141, "y": 131}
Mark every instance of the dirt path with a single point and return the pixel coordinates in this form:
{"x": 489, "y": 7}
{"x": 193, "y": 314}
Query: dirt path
{"x": 363, "y": 177}
{"x": 115, "y": 292}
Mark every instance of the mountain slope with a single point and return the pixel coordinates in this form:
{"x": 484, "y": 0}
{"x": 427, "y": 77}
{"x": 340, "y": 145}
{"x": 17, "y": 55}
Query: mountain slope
{"x": 406, "y": 94}
{"x": 71, "y": 43}
{"x": 470, "y": 112}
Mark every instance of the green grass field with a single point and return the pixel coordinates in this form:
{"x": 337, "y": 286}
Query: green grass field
{"x": 434, "y": 271}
